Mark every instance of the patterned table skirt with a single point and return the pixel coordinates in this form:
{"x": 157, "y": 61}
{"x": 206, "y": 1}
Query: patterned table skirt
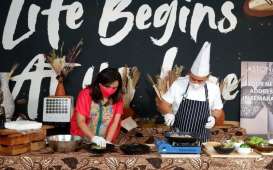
{"x": 84, "y": 160}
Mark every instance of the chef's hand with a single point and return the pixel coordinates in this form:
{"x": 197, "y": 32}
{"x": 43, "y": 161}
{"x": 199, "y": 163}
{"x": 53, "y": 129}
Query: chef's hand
{"x": 100, "y": 141}
{"x": 169, "y": 119}
{"x": 163, "y": 106}
{"x": 210, "y": 123}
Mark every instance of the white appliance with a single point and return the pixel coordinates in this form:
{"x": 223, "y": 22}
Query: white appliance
{"x": 57, "y": 109}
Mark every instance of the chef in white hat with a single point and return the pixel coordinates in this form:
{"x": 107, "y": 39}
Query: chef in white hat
{"x": 192, "y": 103}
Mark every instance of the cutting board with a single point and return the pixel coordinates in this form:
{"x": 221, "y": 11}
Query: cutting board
{"x": 13, "y": 137}
{"x": 19, "y": 149}
{"x": 4, "y": 132}
{"x": 23, "y": 138}
{"x": 36, "y": 146}
{"x": 265, "y": 153}
{"x": 209, "y": 150}
{"x": 14, "y": 150}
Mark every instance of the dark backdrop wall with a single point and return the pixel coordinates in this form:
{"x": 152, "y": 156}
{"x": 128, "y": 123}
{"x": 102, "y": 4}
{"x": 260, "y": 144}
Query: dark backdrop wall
{"x": 242, "y": 38}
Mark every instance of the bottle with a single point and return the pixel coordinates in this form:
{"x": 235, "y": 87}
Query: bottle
{"x": 2, "y": 110}
{"x": 2, "y": 117}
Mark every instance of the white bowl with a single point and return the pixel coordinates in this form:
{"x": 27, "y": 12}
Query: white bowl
{"x": 237, "y": 145}
{"x": 270, "y": 141}
{"x": 244, "y": 151}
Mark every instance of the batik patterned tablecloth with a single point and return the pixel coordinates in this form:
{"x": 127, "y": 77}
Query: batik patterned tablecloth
{"x": 84, "y": 160}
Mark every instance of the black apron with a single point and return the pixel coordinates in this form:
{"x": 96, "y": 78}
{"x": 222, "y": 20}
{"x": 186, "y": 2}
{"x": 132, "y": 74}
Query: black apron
{"x": 192, "y": 115}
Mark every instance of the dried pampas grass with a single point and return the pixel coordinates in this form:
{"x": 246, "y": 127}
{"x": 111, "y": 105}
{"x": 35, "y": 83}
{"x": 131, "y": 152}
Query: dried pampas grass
{"x": 130, "y": 78}
{"x": 161, "y": 85}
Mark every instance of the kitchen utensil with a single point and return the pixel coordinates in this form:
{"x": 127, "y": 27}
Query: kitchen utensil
{"x": 181, "y": 137}
{"x": 244, "y": 151}
{"x": 221, "y": 149}
{"x": 264, "y": 148}
{"x": 64, "y": 143}
{"x": 134, "y": 149}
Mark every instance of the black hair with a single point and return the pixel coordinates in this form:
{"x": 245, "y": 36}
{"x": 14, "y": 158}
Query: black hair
{"x": 106, "y": 77}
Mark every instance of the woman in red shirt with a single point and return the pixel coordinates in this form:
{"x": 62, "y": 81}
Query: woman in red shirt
{"x": 98, "y": 109}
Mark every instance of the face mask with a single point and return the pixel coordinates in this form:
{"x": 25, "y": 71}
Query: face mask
{"x": 197, "y": 86}
{"x": 107, "y": 91}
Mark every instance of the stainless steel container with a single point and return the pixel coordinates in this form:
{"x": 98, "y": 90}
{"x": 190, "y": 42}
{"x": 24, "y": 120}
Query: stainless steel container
{"x": 64, "y": 143}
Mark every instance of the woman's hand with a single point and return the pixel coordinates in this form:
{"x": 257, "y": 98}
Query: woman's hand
{"x": 84, "y": 128}
{"x": 163, "y": 106}
{"x": 113, "y": 128}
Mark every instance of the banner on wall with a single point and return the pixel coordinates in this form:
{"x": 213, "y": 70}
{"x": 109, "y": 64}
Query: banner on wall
{"x": 257, "y": 97}
{"x": 150, "y": 35}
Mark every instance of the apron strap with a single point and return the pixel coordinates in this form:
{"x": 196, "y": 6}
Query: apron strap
{"x": 206, "y": 92}
{"x": 186, "y": 91}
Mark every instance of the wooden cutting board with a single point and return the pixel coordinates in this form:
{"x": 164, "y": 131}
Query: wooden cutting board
{"x": 14, "y": 150}
{"x": 36, "y": 146}
{"x": 265, "y": 153}
{"x": 209, "y": 150}
{"x": 20, "y": 149}
{"x": 38, "y": 136}
{"x": 13, "y": 137}
{"x": 4, "y": 132}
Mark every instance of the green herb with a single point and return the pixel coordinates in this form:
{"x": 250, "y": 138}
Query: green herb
{"x": 255, "y": 140}
{"x": 228, "y": 145}
{"x": 244, "y": 146}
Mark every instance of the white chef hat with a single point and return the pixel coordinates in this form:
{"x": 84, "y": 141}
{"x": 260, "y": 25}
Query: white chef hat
{"x": 201, "y": 66}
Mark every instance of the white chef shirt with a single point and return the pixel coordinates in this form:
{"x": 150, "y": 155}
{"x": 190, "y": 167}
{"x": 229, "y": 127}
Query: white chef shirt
{"x": 175, "y": 94}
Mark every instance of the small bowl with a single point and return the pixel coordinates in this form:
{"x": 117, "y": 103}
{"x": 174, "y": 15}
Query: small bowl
{"x": 244, "y": 151}
{"x": 264, "y": 148}
{"x": 223, "y": 150}
{"x": 236, "y": 144}
{"x": 270, "y": 142}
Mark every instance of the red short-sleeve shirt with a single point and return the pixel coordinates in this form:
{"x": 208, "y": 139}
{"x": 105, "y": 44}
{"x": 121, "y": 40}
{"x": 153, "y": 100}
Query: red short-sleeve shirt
{"x": 83, "y": 107}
